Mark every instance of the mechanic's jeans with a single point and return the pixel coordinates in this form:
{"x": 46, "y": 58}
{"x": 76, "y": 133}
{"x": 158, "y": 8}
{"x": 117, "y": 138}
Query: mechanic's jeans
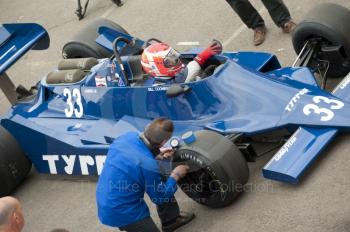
{"x": 144, "y": 225}
{"x": 167, "y": 213}
{"x": 250, "y": 16}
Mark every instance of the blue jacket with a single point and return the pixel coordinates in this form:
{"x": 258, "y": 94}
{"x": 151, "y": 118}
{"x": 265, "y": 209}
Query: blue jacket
{"x": 129, "y": 171}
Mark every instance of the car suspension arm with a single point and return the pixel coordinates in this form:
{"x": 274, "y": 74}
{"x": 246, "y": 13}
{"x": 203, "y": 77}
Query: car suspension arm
{"x": 80, "y": 12}
{"x": 304, "y": 58}
{"x": 305, "y": 55}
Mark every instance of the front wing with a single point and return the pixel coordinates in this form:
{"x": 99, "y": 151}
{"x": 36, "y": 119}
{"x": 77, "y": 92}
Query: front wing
{"x": 303, "y": 147}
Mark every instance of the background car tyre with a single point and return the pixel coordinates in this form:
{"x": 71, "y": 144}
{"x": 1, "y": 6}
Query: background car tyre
{"x": 14, "y": 164}
{"x": 329, "y": 24}
{"x": 83, "y": 44}
{"x": 218, "y": 170}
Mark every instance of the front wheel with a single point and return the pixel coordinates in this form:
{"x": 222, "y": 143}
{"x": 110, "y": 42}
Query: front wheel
{"x": 218, "y": 170}
{"x": 14, "y": 164}
{"x": 327, "y": 30}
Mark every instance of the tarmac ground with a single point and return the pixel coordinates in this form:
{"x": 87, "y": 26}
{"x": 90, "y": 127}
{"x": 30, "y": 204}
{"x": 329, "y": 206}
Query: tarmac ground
{"x": 321, "y": 202}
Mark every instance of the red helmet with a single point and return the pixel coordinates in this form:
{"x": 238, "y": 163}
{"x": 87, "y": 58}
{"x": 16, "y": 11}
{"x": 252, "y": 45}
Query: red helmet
{"x": 161, "y": 60}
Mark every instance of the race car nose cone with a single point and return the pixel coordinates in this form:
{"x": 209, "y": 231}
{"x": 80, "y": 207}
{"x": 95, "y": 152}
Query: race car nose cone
{"x": 189, "y": 137}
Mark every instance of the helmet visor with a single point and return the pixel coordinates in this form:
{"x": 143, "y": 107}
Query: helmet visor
{"x": 172, "y": 59}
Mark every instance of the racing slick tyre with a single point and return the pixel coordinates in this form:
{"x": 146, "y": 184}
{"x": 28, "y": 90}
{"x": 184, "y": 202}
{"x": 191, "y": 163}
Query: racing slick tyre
{"x": 327, "y": 24}
{"x": 83, "y": 44}
{"x": 218, "y": 170}
{"x": 14, "y": 164}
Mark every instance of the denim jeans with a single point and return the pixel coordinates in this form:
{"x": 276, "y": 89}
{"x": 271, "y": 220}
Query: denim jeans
{"x": 250, "y": 16}
{"x": 167, "y": 212}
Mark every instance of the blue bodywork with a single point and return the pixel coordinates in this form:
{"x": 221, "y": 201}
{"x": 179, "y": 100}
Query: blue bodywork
{"x": 67, "y": 128}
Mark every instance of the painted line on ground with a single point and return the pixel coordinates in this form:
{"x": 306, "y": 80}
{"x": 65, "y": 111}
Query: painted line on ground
{"x": 109, "y": 11}
{"x": 188, "y": 43}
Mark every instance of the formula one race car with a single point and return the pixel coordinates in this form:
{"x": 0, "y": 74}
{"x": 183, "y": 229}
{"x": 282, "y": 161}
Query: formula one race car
{"x": 65, "y": 123}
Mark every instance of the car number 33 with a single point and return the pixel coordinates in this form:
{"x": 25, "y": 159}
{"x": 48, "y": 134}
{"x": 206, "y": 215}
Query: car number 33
{"x": 326, "y": 113}
{"x": 74, "y": 103}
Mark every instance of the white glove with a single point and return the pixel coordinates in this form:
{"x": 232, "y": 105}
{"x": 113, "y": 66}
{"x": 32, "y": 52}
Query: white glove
{"x": 193, "y": 69}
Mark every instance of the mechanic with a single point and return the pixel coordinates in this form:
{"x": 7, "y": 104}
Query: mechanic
{"x": 131, "y": 169}
{"x": 250, "y": 16}
{"x": 11, "y": 215}
{"x": 162, "y": 62}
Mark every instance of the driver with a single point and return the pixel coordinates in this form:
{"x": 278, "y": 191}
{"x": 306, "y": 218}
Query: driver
{"x": 162, "y": 62}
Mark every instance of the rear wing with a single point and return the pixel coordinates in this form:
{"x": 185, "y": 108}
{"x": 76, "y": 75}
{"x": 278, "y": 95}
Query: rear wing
{"x": 16, "y": 39}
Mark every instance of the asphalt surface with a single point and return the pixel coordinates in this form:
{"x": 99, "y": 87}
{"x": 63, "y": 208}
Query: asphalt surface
{"x": 320, "y": 203}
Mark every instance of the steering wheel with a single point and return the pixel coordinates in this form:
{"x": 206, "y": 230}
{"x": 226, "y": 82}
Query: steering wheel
{"x": 116, "y": 54}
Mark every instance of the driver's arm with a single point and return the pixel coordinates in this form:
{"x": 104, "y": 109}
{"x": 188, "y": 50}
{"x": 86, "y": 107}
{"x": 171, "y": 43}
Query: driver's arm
{"x": 195, "y": 66}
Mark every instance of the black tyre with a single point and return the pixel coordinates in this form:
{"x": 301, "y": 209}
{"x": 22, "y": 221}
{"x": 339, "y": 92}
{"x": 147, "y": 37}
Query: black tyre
{"x": 328, "y": 24}
{"x": 218, "y": 170}
{"x": 14, "y": 164}
{"x": 83, "y": 44}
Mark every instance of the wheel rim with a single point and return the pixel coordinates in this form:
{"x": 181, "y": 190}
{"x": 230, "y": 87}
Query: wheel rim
{"x": 320, "y": 59}
{"x": 200, "y": 182}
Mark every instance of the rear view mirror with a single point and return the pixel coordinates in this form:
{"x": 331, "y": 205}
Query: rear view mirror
{"x": 177, "y": 89}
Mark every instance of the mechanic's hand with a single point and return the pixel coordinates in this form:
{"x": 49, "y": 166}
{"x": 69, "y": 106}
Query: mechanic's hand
{"x": 179, "y": 172}
{"x": 165, "y": 153}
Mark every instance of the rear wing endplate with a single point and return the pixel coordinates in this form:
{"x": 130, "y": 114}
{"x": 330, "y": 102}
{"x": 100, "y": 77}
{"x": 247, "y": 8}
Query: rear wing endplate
{"x": 16, "y": 39}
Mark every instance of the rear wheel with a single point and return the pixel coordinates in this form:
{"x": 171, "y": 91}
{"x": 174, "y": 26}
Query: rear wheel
{"x": 83, "y": 44}
{"x": 327, "y": 31}
{"x": 218, "y": 170}
{"x": 14, "y": 164}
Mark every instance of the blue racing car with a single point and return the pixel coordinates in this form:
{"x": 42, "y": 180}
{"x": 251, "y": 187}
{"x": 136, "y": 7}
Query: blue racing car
{"x": 65, "y": 124}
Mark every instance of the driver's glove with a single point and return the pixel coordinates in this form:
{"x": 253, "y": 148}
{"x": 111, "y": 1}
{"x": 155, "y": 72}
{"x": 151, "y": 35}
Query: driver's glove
{"x": 215, "y": 48}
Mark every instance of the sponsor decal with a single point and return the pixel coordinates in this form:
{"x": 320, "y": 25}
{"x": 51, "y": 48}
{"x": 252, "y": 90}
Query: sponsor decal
{"x": 120, "y": 81}
{"x": 215, "y": 180}
{"x": 85, "y": 161}
{"x": 158, "y": 88}
{"x": 344, "y": 83}
{"x": 90, "y": 91}
{"x": 187, "y": 156}
{"x": 285, "y": 148}
{"x": 100, "y": 81}
{"x": 295, "y": 99}
{"x": 68, "y": 77}
{"x": 112, "y": 68}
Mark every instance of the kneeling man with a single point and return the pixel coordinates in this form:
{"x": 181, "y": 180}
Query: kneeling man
{"x": 130, "y": 170}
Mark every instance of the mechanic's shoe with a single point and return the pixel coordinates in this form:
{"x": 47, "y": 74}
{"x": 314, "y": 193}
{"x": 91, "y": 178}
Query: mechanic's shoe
{"x": 118, "y": 2}
{"x": 181, "y": 220}
{"x": 289, "y": 26}
{"x": 259, "y": 35}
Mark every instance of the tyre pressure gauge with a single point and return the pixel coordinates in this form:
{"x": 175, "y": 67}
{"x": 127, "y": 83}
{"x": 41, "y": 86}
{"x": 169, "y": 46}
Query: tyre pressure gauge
{"x": 174, "y": 143}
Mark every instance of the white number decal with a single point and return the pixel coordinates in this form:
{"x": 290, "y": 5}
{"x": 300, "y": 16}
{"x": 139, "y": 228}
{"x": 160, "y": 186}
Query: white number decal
{"x": 79, "y": 111}
{"x": 70, "y": 110}
{"x": 336, "y": 105}
{"x": 327, "y": 113}
{"x": 311, "y": 108}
